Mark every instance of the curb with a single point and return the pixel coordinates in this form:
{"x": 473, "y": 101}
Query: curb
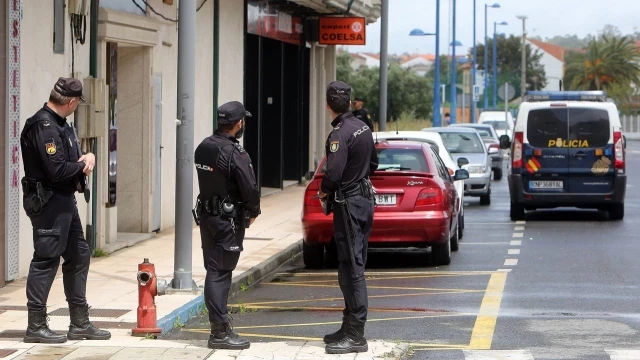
{"x": 400, "y": 351}
{"x": 252, "y": 276}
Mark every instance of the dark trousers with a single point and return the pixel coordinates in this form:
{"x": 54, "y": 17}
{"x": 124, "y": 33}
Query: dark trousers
{"x": 354, "y": 287}
{"x": 220, "y": 251}
{"x": 57, "y": 231}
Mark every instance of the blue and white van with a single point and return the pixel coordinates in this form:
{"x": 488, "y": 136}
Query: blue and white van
{"x": 568, "y": 150}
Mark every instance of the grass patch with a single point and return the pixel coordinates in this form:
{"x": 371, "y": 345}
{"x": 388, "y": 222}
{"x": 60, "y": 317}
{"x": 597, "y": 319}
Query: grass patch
{"x": 99, "y": 253}
{"x": 407, "y": 122}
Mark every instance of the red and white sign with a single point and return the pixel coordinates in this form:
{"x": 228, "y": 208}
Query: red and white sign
{"x": 12, "y": 198}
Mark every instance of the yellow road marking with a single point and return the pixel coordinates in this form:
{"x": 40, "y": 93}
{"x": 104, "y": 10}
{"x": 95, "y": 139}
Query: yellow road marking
{"x": 485, "y": 325}
{"x": 374, "y": 278}
{"x": 207, "y": 331}
{"x": 342, "y": 299}
{"x": 390, "y": 273}
{"x": 373, "y": 287}
{"x": 421, "y": 346}
{"x": 320, "y": 308}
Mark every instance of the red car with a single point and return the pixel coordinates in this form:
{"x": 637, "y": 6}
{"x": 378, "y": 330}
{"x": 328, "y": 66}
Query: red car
{"x": 415, "y": 204}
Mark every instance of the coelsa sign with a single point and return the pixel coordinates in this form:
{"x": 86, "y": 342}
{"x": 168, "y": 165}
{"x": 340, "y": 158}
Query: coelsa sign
{"x": 12, "y": 188}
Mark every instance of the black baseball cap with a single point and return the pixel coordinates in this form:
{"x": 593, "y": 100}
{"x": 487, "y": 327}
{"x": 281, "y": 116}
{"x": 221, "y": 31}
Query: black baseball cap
{"x": 358, "y": 98}
{"x": 338, "y": 89}
{"x": 231, "y": 112}
{"x": 70, "y": 87}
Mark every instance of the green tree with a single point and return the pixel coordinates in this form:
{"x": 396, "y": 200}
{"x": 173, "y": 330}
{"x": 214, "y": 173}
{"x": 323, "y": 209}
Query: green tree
{"x": 509, "y": 63}
{"x": 607, "y": 64}
{"x": 344, "y": 69}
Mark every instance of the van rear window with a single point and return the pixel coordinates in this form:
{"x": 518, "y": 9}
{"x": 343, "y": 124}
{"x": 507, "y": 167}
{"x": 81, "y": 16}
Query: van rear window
{"x": 545, "y": 126}
{"x": 590, "y": 125}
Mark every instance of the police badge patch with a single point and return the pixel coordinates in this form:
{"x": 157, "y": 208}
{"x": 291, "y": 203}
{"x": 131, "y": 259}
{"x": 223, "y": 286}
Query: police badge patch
{"x": 51, "y": 148}
{"x": 333, "y": 147}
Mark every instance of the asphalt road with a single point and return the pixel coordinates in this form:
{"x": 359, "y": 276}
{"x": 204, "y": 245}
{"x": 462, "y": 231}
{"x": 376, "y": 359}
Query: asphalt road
{"x": 563, "y": 284}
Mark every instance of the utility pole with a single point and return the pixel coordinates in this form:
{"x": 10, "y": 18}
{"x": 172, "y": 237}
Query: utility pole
{"x": 523, "y": 80}
{"x": 384, "y": 29}
{"x": 182, "y": 269}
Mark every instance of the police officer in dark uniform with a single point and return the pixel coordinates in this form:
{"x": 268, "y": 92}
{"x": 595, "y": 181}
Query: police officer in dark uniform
{"x": 229, "y": 201}
{"x": 351, "y": 157}
{"x": 55, "y": 169}
{"x": 361, "y": 113}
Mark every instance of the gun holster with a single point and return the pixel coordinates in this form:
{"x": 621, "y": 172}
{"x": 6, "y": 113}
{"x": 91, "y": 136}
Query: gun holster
{"x": 36, "y": 196}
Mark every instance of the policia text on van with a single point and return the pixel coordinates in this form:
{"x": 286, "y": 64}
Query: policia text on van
{"x": 567, "y": 150}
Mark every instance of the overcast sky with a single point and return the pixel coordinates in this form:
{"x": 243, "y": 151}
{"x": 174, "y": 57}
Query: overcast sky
{"x": 546, "y": 18}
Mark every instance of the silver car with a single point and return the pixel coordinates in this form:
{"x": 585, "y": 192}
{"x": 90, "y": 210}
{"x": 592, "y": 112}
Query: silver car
{"x": 466, "y": 143}
{"x": 492, "y": 141}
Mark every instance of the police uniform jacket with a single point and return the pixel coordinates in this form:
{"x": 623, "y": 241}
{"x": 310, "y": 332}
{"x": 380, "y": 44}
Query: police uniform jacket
{"x": 351, "y": 153}
{"x": 50, "y": 152}
{"x": 224, "y": 168}
{"x": 364, "y": 116}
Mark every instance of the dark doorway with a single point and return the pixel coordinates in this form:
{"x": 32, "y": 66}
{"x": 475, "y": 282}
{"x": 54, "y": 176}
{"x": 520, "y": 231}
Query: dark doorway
{"x": 252, "y": 71}
{"x": 272, "y": 113}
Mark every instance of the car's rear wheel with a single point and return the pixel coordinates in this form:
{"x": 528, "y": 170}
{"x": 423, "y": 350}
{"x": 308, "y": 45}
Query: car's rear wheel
{"x": 460, "y": 226}
{"x": 313, "y": 255}
{"x": 497, "y": 174}
{"x": 455, "y": 238}
{"x": 486, "y": 199}
{"x": 441, "y": 253}
{"x": 616, "y": 211}
{"x": 516, "y": 212}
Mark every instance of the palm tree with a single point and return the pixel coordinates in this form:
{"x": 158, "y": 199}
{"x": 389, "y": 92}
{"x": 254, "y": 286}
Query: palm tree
{"x": 605, "y": 64}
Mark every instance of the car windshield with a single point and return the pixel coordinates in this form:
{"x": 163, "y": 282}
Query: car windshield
{"x": 484, "y": 134}
{"x": 390, "y": 159}
{"x": 497, "y": 124}
{"x": 457, "y": 143}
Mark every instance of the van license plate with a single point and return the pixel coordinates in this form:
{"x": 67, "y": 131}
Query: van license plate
{"x": 546, "y": 185}
{"x": 386, "y": 199}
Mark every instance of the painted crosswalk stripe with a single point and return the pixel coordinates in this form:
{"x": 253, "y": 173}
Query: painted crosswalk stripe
{"x": 519, "y": 228}
{"x": 518, "y": 235}
{"x": 513, "y": 251}
{"x": 515, "y": 243}
{"x": 520, "y": 222}
{"x": 498, "y": 355}
{"x": 511, "y": 262}
{"x": 623, "y": 354}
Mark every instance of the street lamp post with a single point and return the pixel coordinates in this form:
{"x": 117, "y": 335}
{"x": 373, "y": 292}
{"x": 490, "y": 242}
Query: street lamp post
{"x": 436, "y": 86}
{"x": 474, "y": 104}
{"x": 486, "y": 53}
{"x": 495, "y": 62}
{"x": 453, "y": 68}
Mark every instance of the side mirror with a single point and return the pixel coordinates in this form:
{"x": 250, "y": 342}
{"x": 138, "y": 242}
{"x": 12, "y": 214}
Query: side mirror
{"x": 504, "y": 142}
{"x": 461, "y": 175}
{"x": 462, "y": 162}
{"x": 309, "y": 175}
{"x": 624, "y": 141}
{"x": 493, "y": 150}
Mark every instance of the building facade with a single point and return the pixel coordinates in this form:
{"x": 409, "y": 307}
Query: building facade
{"x": 129, "y": 120}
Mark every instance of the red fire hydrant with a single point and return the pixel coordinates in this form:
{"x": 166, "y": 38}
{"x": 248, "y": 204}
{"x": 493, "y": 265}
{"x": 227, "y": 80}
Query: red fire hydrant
{"x": 149, "y": 286}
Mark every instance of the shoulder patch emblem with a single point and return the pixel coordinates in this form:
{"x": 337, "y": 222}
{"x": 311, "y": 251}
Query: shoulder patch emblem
{"x": 240, "y": 148}
{"x": 51, "y": 148}
{"x": 333, "y": 147}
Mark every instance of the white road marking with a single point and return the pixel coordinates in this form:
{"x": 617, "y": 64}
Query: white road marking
{"x": 511, "y": 262}
{"x": 518, "y": 235}
{"x": 504, "y": 270}
{"x": 514, "y": 251}
{"x": 519, "y": 228}
{"x": 515, "y": 243}
{"x": 498, "y": 355}
{"x": 520, "y": 222}
{"x": 623, "y": 354}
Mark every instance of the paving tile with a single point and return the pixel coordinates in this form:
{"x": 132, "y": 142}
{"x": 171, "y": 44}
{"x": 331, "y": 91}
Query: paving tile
{"x": 187, "y": 354}
{"x": 45, "y": 353}
{"x": 93, "y": 353}
{"x": 138, "y": 354}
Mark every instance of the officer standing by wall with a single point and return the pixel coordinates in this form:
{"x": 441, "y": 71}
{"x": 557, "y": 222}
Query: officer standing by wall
{"x": 229, "y": 201}
{"x": 361, "y": 113}
{"x": 351, "y": 157}
{"x": 55, "y": 169}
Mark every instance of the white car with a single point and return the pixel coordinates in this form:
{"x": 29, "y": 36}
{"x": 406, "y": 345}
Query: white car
{"x": 435, "y": 140}
{"x": 502, "y": 122}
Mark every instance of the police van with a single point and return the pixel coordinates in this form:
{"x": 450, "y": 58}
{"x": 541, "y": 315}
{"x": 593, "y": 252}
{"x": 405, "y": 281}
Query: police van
{"x": 568, "y": 150}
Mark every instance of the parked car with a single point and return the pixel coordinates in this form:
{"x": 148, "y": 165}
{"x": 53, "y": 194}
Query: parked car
{"x": 416, "y": 204}
{"x": 492, "y": 141}
{"x": 501, "y": 121}
{"x": 466, "y": 143}
{"x": 435, "y": 140}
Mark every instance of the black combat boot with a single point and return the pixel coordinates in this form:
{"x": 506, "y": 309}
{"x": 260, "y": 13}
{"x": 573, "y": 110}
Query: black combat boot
{"x": 336, "y": 336}
{"x": 223, "y": 337}
{"x": 80, "y": 327}
{"x": 38, "y": 329}
{"x": 352, "y": 341}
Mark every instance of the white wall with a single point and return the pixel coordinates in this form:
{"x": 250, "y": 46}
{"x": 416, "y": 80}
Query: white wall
{"x": 553, "y": 67}
{"x": 39, "y": 69}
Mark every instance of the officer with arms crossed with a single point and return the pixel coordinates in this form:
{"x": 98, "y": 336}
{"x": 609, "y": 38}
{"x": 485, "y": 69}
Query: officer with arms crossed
{"x": 229, "y": 201}
{"x": 55, "y": 169}
{"x": 361, "y": 113}
{"x": 351, "y": 157}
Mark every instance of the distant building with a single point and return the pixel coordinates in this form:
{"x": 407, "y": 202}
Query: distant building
{"x": 552, "y": 60}
{"x": 418, "y": 63}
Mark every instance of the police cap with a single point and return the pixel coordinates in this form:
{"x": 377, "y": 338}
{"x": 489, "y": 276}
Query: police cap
{"x": 338, "y": 89}
{"x": 70, "y": 87}
{"x": 358, "y": 98}
{"x": 231, "y": 112}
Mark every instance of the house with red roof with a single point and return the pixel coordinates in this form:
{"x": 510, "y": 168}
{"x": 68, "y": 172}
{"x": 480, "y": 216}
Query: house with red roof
{"x": 552, "y": 60}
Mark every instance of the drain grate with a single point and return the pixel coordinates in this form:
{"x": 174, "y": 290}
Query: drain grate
{"x": 13, "y": 307}
{"x": 6, "y": 352}
{"x": 93, "y": 312}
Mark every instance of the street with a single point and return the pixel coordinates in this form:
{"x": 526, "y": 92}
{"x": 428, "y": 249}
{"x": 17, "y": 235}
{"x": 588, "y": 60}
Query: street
{"x": 562, "y": 284}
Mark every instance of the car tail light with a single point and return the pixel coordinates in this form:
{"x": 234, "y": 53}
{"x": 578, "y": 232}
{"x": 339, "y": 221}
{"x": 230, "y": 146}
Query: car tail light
{"x": 618, "y": 150}
{"x": 429, "y": 196}
{"x": 518, "y": 139}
